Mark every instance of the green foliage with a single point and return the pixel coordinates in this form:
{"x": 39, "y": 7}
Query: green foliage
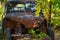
{"x": 1, "y": 35}
{"x": 55, "y": 10}
{"x": 40, "y": 35}
{"x": 31, "y": 31}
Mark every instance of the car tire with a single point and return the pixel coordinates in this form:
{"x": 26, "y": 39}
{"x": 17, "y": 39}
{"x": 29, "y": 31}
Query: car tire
{"x": 8, "y": 34}
{"x": 50, "y": 33}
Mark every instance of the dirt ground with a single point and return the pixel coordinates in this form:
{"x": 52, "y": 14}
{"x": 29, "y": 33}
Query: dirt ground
{"x": 57, "y": 35}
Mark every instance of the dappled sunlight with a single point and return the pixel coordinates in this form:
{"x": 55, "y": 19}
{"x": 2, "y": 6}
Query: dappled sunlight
{"x": 0, "y": 5}
{"x": 1, "y": 11}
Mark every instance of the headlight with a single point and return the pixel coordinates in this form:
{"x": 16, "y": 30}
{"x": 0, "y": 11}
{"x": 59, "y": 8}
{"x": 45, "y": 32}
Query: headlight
{"x": 3, "y": 15}
{"x": 15, "y": 8}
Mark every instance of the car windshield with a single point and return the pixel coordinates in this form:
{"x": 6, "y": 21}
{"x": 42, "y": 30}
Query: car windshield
{"x": 29, "y": 7}
{"x": 16, "y": 7}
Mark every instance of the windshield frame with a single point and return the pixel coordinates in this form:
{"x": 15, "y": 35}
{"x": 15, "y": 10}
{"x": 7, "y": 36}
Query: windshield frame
{"x": 17, "y": 7}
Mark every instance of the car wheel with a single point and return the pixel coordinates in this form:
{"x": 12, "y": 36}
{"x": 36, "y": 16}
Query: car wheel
{"x": 8, "y": 34}
{"x": 50, "y": 33}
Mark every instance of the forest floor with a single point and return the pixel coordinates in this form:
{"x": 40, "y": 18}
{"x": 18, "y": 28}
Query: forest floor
{"x": 57, "y": 35}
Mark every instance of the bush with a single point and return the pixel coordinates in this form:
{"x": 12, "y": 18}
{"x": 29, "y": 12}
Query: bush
{"x": 40, "y": 35}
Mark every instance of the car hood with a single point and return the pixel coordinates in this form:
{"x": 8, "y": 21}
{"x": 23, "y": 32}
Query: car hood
{"x": 19, "y": 16}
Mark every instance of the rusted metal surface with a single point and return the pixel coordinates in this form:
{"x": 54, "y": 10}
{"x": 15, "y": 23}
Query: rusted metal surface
{"x": 26, "y": 20}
